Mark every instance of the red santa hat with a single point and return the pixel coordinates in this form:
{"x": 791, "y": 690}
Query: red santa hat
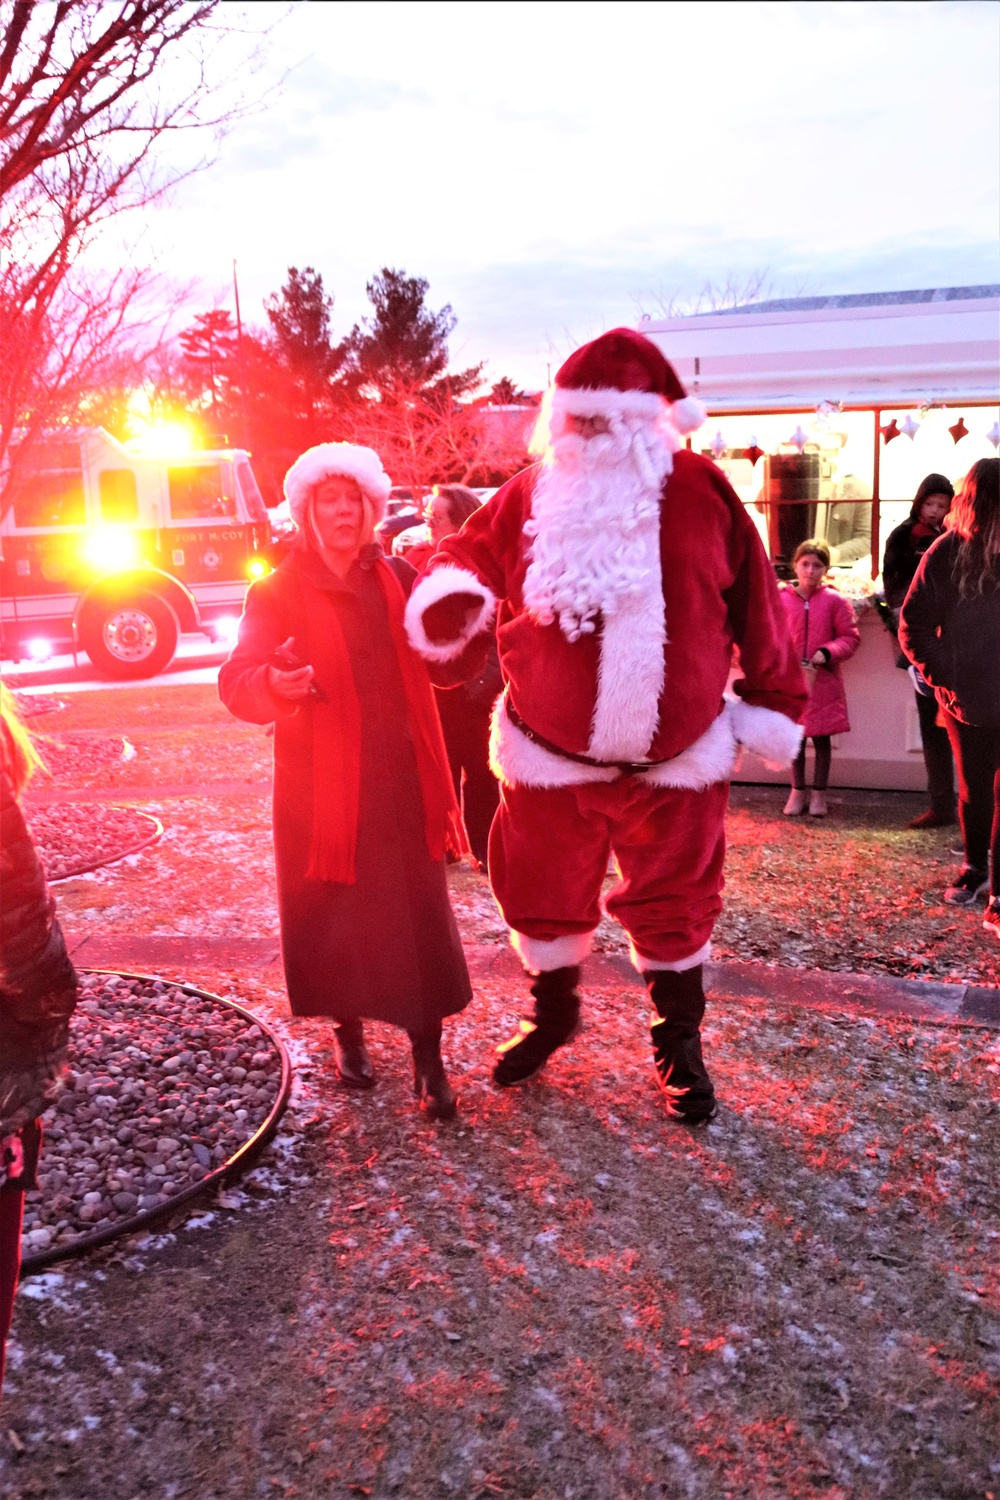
{"x": 330, "y": 461}
{"x": 624, "y": 374}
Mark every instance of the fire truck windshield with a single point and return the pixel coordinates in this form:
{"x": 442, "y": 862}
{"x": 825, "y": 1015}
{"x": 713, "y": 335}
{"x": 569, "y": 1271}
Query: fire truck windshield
{"x": 254, "y": 500}
{"x": 197, "y": 493}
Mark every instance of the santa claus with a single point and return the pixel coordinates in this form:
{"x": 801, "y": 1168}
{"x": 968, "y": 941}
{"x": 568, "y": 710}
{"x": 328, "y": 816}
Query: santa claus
{"x": 621, "y": 571}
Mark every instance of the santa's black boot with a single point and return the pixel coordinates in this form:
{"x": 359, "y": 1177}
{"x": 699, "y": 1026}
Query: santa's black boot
{"x": 556, "y": 1018}
{"x": 679, "y": 1000}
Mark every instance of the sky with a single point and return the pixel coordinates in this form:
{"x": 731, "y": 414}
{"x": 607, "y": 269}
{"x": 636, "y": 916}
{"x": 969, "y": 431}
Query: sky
{"x": 556, "y": 169}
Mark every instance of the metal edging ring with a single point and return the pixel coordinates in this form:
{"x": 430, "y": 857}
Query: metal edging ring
{"x": 113, "y": 859}
{"x": 229, "y": 1171}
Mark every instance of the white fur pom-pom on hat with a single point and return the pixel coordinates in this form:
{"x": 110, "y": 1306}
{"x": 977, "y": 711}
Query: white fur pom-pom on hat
{"x": 687, "y": 414}
{"x": 332, "y": 460}
{"x": 623, "y": 374}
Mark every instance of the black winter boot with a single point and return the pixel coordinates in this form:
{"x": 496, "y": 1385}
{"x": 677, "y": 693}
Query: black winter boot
{"x": 556, "y": 1018}
{"x": 438, "y": 1100}
{"x": 680, "y": 1003}
{"x": 350, "y": 1055}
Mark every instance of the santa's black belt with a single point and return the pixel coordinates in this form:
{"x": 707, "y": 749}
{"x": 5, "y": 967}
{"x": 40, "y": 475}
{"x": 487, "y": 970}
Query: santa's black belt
{"x": 630, "y": 767}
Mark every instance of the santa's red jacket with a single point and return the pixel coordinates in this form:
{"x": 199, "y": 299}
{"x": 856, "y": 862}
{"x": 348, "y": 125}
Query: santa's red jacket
{"x": 648, "y": 684}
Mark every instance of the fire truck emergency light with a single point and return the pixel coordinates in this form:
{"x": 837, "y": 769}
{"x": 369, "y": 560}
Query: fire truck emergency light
{"x": 258, "y": 568}
{"x": 111, "y": 549}
{"x": 39, "y": 649}
{"x": 226, "y": 628}
{"x": 163, "y": 440}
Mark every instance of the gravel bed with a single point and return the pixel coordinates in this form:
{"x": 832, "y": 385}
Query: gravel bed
{"x": 164, "y": 1086}
{"x": 33, "y": 705}
{"x": 72, "y": 839}
{"x": 79, "y": 755}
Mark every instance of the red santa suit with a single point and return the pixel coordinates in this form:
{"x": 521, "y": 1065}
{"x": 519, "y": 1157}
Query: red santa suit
{"x": 614, "y": 734}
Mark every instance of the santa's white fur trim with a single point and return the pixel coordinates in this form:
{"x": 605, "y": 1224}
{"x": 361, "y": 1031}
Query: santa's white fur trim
{"x": 631, "y": 666}
{"x": 439, "y": 584}
{"x": 710, "y": 759}
{"x": 579, "y": 402}
{"x": 676, "y": 966}
{"x": 687, "y": 414}
{"x": 517, "y": 761}
{"x": 333, "y": 460}
{"x": 771, "y": 735}
{"x": 541, "y": 957}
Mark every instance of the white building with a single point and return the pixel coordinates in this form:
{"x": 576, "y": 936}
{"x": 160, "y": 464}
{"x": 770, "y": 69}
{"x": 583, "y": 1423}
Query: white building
{"x": 826, "y": 413}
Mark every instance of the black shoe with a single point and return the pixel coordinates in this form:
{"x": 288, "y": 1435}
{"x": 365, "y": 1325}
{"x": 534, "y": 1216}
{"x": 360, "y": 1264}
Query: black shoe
{"x": 350, "y": 1055}
{"x": 680, "y": 1068}
{"x": 934, "y": 817}
{"x": 969, "y": 886}
{"x": 438, "y": 1100}
{"x": 556, "y": 1020}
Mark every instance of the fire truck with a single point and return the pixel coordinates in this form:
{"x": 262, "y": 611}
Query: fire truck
{"x": 117, "y": 553}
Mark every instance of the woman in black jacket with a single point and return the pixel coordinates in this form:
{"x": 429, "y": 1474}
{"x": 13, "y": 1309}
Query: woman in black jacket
{"x": 903, "y": 551}
{"x": 949, "y": 629}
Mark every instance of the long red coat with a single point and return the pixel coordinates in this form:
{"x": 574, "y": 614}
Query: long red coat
{"x": 385, "y": 946}
{"x": 824, "y": 621}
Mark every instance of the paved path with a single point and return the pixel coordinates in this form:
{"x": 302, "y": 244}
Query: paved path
{"x": 871, "y": 994}
{"x": 878, "y": 994}
{"x": 44, "y": 796}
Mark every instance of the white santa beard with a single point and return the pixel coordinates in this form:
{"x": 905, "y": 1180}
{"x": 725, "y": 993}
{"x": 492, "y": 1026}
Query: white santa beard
{"x": 595, "y": 552}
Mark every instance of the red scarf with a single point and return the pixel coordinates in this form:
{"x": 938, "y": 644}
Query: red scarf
{"x": 337, "y": 740}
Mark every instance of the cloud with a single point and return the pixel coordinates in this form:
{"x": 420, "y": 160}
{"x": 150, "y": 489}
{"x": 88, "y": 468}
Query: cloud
{"x": 312, "y": 95}
{"x": 526, "y": 316}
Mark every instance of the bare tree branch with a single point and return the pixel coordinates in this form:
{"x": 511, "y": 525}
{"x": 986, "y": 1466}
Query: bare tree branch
{"x": 88, "y": 90}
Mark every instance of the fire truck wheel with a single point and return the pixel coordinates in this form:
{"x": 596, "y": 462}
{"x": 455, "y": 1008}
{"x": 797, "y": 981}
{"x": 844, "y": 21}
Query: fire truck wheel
{"x": 130, "y": 637}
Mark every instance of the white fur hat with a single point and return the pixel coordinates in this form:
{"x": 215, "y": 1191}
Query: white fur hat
{"x": 327, "y": 461}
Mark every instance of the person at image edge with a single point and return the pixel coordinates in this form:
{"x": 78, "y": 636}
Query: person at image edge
{"x": 621, "y": 571}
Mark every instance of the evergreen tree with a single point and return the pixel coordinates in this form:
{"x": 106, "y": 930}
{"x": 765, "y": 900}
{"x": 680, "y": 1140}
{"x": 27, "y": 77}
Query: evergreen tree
{"x": 209, "y": 356}
{"x": 403, "y": 349}
{"x": 299, "y": 316}
{"x": 300, "y": 338}
{"x": 505, "y": 393}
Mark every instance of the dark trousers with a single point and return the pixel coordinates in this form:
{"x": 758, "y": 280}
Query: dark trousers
{"x": 11, "y": 1212}
{"x": 937, "y": 756}
{"x": 11, "y": 1216}
{"x": 467, "y": 739}
{"x": 821, "y": 744}
{"x": 977, "y": 761}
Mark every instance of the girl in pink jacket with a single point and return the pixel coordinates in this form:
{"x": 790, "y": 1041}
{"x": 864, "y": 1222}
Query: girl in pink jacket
{"x": 822, "y": 625}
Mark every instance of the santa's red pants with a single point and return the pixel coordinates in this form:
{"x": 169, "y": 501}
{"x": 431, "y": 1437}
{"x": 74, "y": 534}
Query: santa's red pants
{"x": 549, "y": 849}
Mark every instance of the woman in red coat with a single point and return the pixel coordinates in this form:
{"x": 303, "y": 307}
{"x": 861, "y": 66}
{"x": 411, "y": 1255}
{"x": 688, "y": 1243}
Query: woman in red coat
{"x": 824, "y": 632}
{"x": 363, "y": 802}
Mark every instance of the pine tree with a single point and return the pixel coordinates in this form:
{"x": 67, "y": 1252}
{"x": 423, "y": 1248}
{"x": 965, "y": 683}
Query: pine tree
{"x": 403, "y": 349}
{"x": 301, "y": 339}
{"x": 505, "y": 393}
{"x": 209, "y": 353}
